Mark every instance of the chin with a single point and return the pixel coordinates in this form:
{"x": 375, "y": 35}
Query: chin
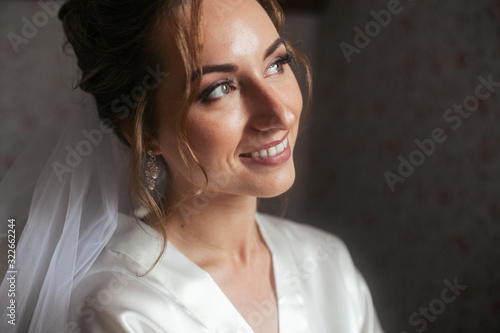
{"x": 277, "y": 186}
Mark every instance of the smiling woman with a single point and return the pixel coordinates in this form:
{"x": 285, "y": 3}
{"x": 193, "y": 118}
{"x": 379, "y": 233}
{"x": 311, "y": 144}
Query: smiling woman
{"x": 188, "y": 251}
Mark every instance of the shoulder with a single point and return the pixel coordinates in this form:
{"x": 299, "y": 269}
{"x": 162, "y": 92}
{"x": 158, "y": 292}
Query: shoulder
{"x": 113, "y": 298}
{"x": 108, "y": 290}
{"x": 293, "y": 228}
{"x": 316, "y": 256}
{"x": 116, "y": 295}
{"x": 321, "y": 265}
{"x": 303, "y": 238}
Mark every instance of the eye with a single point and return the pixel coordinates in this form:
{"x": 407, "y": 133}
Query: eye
{"x": 278, "y": 66}
{"x": 217, "y": 90}
{"x": 220, "y": 91}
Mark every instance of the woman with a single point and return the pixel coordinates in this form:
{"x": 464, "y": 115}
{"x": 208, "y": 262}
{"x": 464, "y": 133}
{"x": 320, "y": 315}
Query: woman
{"x": 203, "y": 94}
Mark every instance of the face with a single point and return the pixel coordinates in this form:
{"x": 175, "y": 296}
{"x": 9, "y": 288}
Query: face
{"x": 243, "y": 125}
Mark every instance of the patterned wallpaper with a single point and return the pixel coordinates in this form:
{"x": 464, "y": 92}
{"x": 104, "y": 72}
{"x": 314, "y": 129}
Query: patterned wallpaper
{"x": 36, "y": 77}
{"x": 403, "y": 159}
{"x": 411, "y": 101}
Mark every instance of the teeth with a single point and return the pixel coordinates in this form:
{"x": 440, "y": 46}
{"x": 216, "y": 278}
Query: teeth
{"x": 273, "y": 151}
{"x": 280, "y": 148}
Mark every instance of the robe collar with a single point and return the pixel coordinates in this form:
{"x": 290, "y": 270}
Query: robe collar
{"x": 195, "y": 289}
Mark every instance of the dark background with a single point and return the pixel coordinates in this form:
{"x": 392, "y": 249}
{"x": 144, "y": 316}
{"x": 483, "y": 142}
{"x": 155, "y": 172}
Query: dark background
{"x": 442, "y": 223}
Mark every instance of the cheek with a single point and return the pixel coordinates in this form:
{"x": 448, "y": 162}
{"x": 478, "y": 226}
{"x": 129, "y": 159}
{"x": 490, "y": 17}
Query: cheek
{"x": 292, "y": 96}
{"x": 296, "y": 97}
{"x": 212, "y": 136}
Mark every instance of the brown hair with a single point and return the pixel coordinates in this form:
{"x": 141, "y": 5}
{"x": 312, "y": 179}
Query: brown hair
{"x": 114, "y": 42}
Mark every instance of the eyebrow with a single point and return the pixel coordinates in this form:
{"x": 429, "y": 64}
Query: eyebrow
{"x": 228, "y": 68}
{"x": 274, "y": 46}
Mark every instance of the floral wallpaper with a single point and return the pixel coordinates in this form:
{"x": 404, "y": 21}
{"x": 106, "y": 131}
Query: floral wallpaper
{"x": 403, "y": 160}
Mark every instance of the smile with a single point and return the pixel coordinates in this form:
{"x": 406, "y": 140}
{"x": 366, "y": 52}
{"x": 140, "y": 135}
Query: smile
{"x": 269, "y": 152}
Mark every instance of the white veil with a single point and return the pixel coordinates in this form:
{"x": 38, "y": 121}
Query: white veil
{"x": 64, "y": 192}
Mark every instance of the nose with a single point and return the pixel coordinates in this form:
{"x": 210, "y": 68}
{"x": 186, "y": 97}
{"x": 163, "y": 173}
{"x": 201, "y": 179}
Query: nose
{"x": 267, "y": 107}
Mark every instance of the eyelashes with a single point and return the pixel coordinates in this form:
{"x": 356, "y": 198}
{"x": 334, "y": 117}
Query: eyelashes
{"x": 286, "y": 59}
{"x": 225, "y": 86}
{"x": 205, "y": 95}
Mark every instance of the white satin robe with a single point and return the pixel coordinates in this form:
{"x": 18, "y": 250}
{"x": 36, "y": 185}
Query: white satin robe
{"x": 318, "y": 288}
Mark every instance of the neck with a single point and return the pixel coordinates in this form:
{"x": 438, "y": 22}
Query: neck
{"x": 218, "y": 228}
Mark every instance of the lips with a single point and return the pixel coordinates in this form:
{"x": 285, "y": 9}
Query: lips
{"x": 270, "y": 150}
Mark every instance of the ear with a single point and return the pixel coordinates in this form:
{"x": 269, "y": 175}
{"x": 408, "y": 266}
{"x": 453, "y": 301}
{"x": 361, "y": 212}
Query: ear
{"x": 155, "y": 148}
{"x": 126, "y": 128}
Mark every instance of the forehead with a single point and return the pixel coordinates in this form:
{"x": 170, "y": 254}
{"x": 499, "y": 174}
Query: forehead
{"x": 235, "y": 28}
{"x": 233, "y": 31}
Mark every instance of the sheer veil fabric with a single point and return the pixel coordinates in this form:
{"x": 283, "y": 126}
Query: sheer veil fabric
{"x": 64, "y": 192}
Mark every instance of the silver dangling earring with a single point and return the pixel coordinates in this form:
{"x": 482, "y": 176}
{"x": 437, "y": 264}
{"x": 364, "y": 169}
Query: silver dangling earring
{"x": 151, "y": 171}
